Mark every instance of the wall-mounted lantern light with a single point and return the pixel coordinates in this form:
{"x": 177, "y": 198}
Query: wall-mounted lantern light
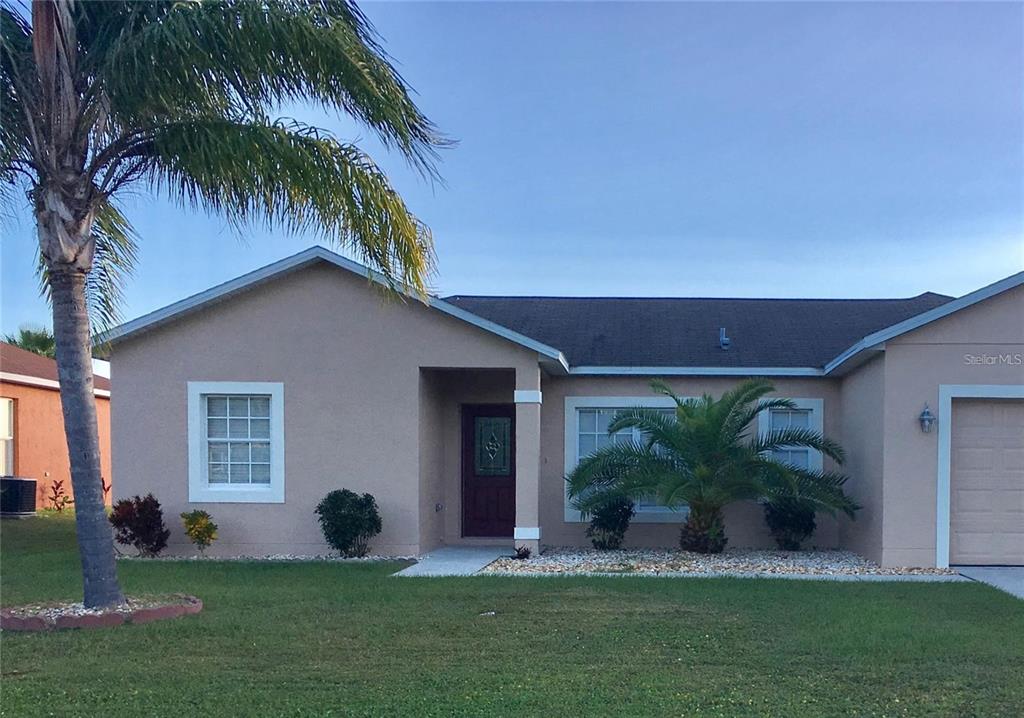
{"x": 927, "y": 419}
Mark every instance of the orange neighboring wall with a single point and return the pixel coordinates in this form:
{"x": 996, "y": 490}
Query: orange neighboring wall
{"x": 40, "y": 449}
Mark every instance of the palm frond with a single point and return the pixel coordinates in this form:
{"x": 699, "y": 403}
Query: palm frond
{"x": 246, "y": 56}
{"x": 297, "y": 177}
{"x": 629, "y": 470}
{"x": 797, "y": 437}
{"x": 820, "y": 490}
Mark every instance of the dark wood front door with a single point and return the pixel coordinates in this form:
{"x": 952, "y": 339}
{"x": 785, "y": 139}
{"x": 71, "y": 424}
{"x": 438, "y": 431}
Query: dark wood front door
{"x": 488, "y": 469}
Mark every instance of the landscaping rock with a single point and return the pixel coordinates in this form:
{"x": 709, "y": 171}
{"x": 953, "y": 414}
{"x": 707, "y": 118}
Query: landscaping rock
{"x": 50, "y": 616}
{"x": 739, "y": 562}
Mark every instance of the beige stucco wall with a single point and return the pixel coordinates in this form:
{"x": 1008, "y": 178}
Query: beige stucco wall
{"x": 915, "y": 365}
{"x": 745, "y": 525}
{"x": 350, "y": 362}
{"x": 373, "y": 390}
{"x": 861, "y": 396}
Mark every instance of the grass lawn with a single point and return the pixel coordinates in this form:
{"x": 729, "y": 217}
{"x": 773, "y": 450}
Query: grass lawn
{"x": 334, "y": 639}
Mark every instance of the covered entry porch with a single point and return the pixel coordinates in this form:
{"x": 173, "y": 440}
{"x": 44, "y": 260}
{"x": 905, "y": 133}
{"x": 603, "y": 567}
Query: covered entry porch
{"x": 479, "y": 460}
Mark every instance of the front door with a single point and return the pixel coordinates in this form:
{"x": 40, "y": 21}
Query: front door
{"x": 488, "y": 470}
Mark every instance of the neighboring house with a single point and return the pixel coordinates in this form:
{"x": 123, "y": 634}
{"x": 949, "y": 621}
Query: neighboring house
{"x": 32, "y": 443}
{"x": 254, "y": 399}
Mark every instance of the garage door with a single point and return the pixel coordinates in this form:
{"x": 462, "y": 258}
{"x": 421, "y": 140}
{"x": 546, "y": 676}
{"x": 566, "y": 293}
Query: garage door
{"x": 987, "y": 482}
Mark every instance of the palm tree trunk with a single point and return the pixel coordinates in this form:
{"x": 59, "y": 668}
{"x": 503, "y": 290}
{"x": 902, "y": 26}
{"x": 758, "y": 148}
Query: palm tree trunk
{"x": 78, "y": 400}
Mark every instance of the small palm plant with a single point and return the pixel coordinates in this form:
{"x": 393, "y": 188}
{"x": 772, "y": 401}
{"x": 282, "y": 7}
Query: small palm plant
{"x": 704, "y": 456}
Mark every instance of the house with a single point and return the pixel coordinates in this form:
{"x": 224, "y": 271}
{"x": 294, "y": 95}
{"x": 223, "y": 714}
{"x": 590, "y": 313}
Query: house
{"x": 32, "y": 443}
{"x": 461, "y": 415}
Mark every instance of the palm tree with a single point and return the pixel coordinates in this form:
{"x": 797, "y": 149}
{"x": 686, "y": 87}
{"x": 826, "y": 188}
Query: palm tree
{"x": 704, "y": 456}
{"x": 177, "y": 97}
{"x": 38, "y": 341}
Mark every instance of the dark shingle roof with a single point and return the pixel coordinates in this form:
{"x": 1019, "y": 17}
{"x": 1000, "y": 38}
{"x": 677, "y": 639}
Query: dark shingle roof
{"x": 605, "y": 331}
{"x": 15, "y": 360}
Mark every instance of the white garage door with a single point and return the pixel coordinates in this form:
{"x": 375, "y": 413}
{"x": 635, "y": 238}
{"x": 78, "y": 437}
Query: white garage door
{"x": 987, "y": 482}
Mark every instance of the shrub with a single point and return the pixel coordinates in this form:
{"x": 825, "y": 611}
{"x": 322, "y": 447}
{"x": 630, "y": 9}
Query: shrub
{"x": 609, "y": 523}
{"x": 521, "y": 553}
{"x": 57, "y": 499}
{"x": 349, "y": 521}
{"x": 139, "y": 522}
{"x": 791, "y": 522}
{"x": 199, "y": 528}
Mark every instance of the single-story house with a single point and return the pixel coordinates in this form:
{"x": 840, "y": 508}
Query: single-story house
{"x": 32, "y": 443}
{"x": 462, "y": 415}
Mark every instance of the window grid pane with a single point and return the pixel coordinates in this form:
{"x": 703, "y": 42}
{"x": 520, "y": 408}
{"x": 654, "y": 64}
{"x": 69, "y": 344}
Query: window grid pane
{"x": 238, "y": 439}
{"x": 791, "y": 419}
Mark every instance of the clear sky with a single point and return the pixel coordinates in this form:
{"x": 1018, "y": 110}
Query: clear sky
{"x": 792, "y": 149}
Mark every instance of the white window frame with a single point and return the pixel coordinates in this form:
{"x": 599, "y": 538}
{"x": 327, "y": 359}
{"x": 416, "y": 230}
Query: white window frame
{"x": 8, "y": 406}
{"x": 572, "y": 437}
{"x": 815, "y": 422}
{"x": 199, "y": 489}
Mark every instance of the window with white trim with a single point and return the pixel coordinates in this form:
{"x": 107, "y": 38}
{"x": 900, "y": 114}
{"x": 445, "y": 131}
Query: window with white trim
{"x": 586, "y": 429}
{"x": 593, "y": 435}
{"x": 805, "y": 414}
{"x": 7, "y": 437}
{"x": 236, "y": 442}
{"x": 780, "y": 419}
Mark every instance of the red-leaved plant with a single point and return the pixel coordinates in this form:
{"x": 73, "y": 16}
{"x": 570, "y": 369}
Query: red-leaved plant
{"x": 139, "y": 522}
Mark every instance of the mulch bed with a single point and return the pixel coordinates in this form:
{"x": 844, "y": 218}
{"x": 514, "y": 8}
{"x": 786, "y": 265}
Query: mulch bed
{"x": 138, "y": 609}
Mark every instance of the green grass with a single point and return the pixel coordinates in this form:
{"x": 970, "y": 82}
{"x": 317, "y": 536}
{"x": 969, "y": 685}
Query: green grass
{"x": 333, "y": 639}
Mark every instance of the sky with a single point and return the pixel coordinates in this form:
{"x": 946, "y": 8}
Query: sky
{"x": 669, "y": 149}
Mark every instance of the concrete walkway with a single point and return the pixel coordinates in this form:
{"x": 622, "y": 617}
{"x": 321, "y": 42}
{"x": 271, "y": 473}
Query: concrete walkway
{"x": 1005, "y": 578}
{"x": 455, "y": 560}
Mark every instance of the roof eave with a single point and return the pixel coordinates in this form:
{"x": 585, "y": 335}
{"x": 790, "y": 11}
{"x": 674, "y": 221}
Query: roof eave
{"x": 877, "y": 339}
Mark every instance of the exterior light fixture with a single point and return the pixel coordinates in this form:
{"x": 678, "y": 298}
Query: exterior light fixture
{"x": 927, "y": 419}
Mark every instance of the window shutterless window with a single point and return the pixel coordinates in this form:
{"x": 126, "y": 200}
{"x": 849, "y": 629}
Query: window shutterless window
{"x": 7, "y": 437}
{"x": 791, "y": 419}
{"x": 593, "y": 435}
{"x": 586, "y": 430}
{"x": 236, "y": 442}
{"x": 808, "y": 414}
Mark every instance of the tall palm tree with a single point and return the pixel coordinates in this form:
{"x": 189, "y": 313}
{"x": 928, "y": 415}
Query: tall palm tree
{"x": 704, "y": 456}
{"x": 177, "y": 97}
{"x": 38, "y": 341}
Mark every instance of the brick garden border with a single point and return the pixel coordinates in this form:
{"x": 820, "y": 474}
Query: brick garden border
{"x": 182, "y": 606}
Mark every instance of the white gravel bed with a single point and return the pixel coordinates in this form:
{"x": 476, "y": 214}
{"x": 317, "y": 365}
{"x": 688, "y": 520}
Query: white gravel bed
{"x": 738, "y": 562}
{"x": 331, "y": 558}
{"x": 53, "y": 610}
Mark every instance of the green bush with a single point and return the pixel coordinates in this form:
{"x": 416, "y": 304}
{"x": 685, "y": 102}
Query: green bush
{"x": 791, "y": 522}
{"x": 199, "y": 528}
{"x": 349, "y": 521}
{"x": 609, "y": 523}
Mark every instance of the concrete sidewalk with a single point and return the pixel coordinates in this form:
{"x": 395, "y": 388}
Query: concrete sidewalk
{"x": 455, "y": 560}
{"x": 1005, "y": 578}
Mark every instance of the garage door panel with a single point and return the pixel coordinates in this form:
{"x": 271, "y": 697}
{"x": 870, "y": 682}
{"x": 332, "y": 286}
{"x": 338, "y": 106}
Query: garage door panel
{"x": 976, "y": 459}
{"x": 987, "y": 482}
